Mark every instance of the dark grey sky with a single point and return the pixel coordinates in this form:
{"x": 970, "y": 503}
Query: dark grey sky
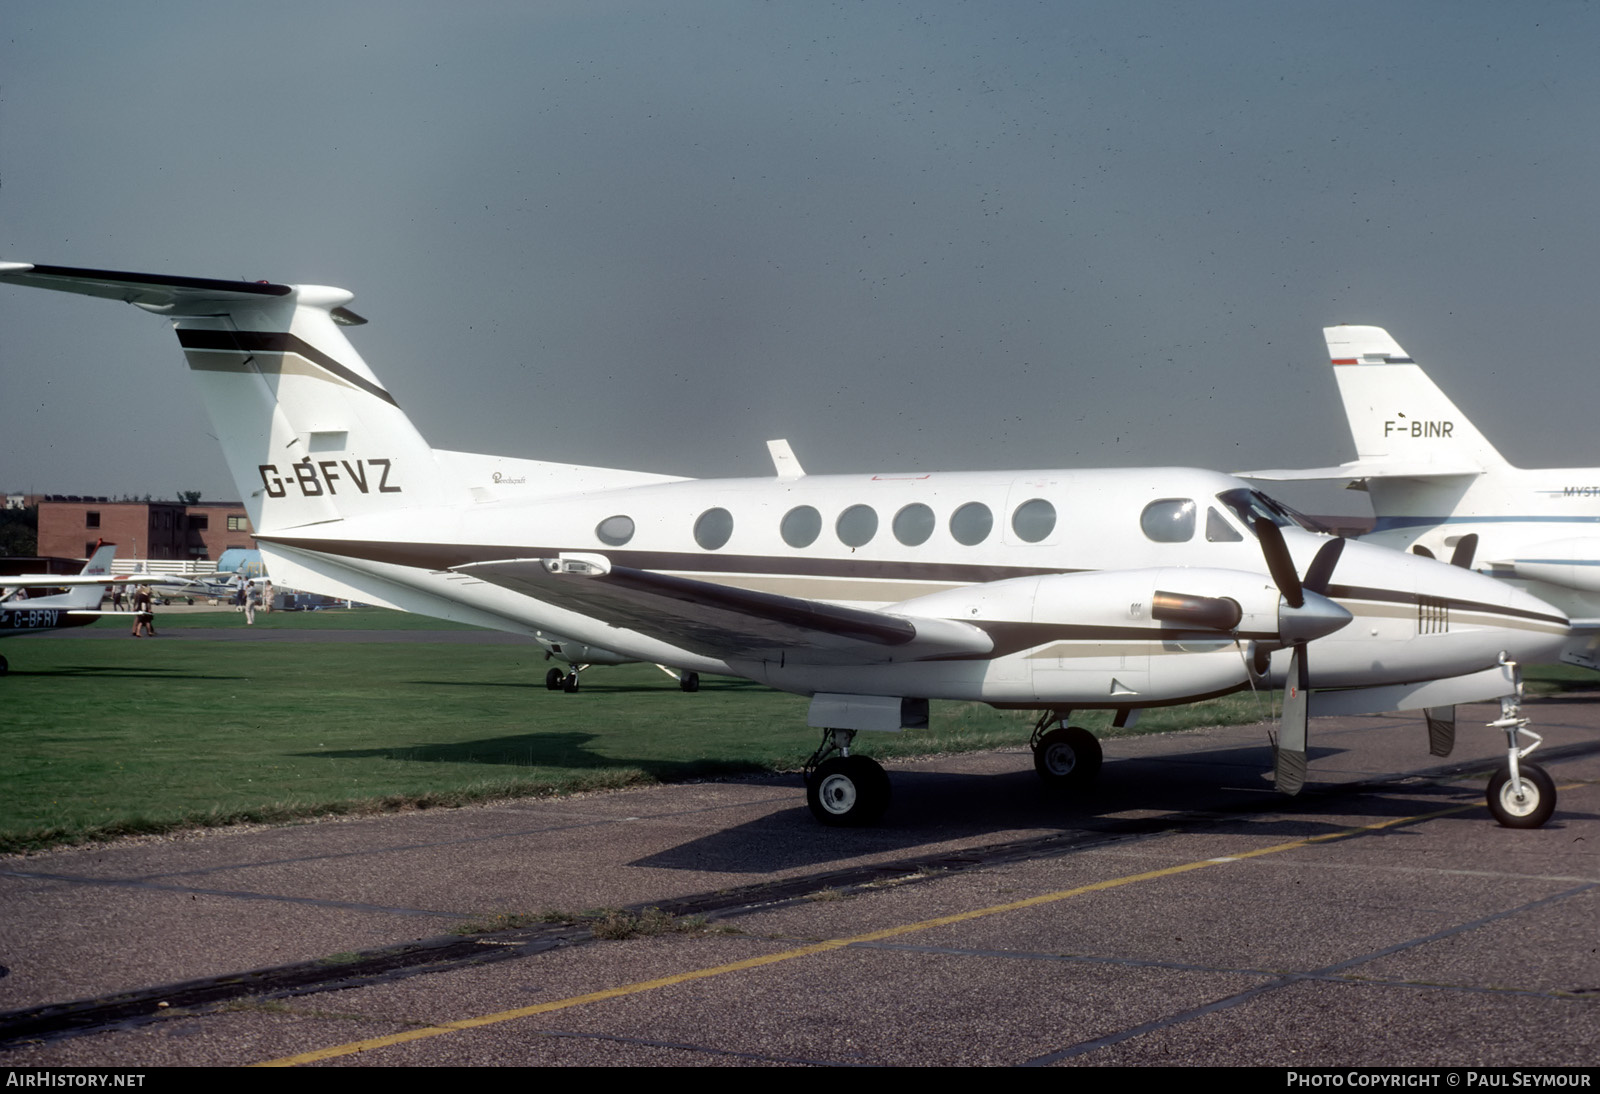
{"x": 918, "y": 235}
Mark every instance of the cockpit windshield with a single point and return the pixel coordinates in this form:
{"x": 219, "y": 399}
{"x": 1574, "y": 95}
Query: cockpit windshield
{"x": 1248, "y": 505}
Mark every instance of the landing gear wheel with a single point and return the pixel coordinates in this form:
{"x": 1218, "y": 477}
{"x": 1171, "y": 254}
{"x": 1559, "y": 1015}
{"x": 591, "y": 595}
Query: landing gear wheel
{"x": 570, "y": 681}
{"x": 552, "y": 679}
{"x": 4, "y": 666}
{"x": 1533, "y": 808}
{"x": 689, "y": 681}
{"x": 1068, "y": 759}
{"x": 848, "y": 792}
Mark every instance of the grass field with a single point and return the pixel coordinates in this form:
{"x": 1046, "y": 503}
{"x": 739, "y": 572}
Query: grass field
{"x": 110, "y": 737}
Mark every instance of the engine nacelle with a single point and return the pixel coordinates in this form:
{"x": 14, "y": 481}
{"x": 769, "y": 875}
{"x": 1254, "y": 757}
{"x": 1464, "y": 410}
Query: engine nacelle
{"x": 1572, "y": 563}
{"x": 1130, "y": 637}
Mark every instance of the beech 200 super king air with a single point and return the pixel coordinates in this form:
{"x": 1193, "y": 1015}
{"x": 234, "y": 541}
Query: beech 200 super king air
{"x": 76, "y": 606}
{"x": 872, "y": 594}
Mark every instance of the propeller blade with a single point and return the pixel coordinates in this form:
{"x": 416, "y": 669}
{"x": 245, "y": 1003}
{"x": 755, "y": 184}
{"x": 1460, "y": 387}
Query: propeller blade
{"x": 1441, "y": 729}
{"x": 1279, "y": 563}
{"x": 1419, "y": 549}
{"x": 1289, "y": 761}
{"x": 1320, "y": 573}
{"x": 1466, "y": 547}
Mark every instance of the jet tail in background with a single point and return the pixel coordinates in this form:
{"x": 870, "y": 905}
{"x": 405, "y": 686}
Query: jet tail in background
{"x": 1403, "y": 426}
{"x": 1397, "y": 415}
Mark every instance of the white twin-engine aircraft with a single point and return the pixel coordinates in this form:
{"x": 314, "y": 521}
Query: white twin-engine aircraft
{"x": 873, "y": 594}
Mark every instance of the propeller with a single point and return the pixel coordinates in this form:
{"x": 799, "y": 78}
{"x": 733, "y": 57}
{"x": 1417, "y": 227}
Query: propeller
{"x": 1309, "y": 615}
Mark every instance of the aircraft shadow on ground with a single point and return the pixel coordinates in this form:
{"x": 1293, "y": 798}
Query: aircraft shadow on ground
{"x": 537, "y": 750}
{"x": 120, "y": 672}
{"x": 1230, "y": 790}
{"x": 720, "y": 684}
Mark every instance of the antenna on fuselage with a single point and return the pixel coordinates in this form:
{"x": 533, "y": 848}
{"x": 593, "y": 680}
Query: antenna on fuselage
{"x": 783, "y": 460}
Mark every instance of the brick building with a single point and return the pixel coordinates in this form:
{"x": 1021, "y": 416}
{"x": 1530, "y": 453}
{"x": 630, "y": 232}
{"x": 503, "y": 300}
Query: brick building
{"x": 70, "y": 525}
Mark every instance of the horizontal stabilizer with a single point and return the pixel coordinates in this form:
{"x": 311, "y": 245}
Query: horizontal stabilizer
{"x": 1369, "y": 469}
{"x": 730, "y": 623}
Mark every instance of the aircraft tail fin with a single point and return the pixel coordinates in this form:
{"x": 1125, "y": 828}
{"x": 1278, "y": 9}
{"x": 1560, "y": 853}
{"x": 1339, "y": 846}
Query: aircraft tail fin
{"x": 89, "y": 596}
{"x": 308, "y": 432}
{"x": 78, "y": 594}
{"x": 1398, "y": 416}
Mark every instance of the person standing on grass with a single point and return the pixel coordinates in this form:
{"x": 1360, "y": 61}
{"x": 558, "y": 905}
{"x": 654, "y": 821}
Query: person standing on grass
{"x": 144, "y": 621}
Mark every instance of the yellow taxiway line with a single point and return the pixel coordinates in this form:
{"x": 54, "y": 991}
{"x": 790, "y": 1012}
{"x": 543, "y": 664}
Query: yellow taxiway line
{"x": 831, "y": 944}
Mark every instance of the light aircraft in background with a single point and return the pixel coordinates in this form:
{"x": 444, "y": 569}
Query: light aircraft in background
{"x": 1440, "y": 489}
{"x": 1052, "y": 590}
{"x": 76, "y": 605}
{"x": 578, "y": 657}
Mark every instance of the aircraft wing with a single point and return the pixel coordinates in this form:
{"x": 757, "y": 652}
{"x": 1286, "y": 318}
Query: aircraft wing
{"x": 62, "y": 581}
{"x": 1367, "y": 469}
{"x": 730, "y": 623}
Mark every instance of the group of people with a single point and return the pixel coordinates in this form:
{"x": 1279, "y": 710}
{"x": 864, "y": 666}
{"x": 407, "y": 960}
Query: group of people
{"x": 249, "y": 596}
{"x": 144, "y": 621}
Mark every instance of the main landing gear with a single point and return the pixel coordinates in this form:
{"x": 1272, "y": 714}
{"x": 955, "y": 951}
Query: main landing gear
{"x": 556, "y": 680}
{"x": 1521, "y": 795}
{"x": 1066, "y": 757}
{"x": 687, "y": 681}
{"x": 844, "y": 791}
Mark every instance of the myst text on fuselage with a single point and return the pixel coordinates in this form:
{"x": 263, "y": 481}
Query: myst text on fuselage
{"x": 313, "y": 479}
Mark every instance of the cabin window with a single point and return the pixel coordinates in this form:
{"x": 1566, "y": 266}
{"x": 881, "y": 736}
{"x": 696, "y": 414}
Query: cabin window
{"x": 971, "y": 524}
{"x": 857, "y": 525}
{"x": 713, "y": 529}
{"x": 1033, "y": 520}
{"x": 614, "y": 531}
{"x": 1218, "y": 530}
{"x": 1170, "y": 520}
{"x": 914, "y": 524}
{"x": 801, "y": 526}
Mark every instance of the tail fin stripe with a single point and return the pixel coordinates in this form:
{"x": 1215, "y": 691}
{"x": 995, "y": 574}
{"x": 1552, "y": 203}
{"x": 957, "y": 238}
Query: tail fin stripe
{"x": 270, "y": 342}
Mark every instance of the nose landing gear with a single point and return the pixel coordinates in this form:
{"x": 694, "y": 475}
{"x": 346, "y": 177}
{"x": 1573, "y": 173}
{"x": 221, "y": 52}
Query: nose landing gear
{"x": 1521, "y": 795}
